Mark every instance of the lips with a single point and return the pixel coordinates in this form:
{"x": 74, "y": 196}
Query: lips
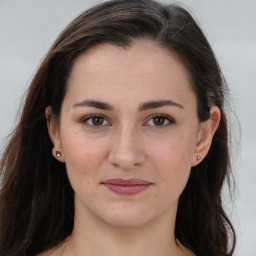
{"x": 126, "y": 186}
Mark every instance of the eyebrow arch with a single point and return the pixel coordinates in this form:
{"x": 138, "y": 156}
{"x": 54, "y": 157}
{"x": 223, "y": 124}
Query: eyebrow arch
{"x": 94, "y": 104}
{"x": 158, "y": 104}
{"x": 143, "y": 107}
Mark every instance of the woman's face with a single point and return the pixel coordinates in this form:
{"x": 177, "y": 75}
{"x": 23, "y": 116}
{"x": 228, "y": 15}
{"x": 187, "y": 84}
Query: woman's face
{"x": 128, "y": 133}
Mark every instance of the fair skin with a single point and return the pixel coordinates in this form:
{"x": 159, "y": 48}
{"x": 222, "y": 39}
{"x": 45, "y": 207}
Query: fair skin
{"x": 146, "y": 127}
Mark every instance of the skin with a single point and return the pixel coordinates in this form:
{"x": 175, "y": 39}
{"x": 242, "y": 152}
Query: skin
{"x": 127, "y": 142}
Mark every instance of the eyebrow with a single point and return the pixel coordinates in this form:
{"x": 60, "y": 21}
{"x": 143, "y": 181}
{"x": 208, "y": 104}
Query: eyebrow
{"x": 94, "y": 104}
{"x": 142, "y": 107}
{"x": 159, "y": 104}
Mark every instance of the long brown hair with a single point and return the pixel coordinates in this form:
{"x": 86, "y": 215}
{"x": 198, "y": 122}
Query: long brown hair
{"x": 36, "y": 198}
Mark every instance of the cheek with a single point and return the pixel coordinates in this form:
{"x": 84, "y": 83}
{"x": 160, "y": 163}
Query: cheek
{"x": 173, "y": 157}
{"x": 83, "y": 158}
{"x": 175, "y": 150}
{"x": 82, "y": 154}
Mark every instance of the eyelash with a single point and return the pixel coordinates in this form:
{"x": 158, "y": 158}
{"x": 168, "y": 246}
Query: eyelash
{"x": 166, "y": 118}
{"x": 90, "y": 117}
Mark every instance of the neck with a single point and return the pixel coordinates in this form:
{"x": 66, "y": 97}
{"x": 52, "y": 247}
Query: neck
{"x": 94, "y": 237}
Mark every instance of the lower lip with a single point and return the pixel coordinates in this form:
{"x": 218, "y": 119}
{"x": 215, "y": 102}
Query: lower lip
{"x": 127, "y": 189}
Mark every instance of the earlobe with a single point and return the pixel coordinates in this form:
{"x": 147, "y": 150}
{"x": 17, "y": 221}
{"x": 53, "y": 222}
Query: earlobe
{"x": 54, "y": 134}
{"x": 58, "y": 155}
{"x": 205, "y": 135}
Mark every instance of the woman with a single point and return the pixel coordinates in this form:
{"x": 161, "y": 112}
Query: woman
{"x": 121, "y": 148}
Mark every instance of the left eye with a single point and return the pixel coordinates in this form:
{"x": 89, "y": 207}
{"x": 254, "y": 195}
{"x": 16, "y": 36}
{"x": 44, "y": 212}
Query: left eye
{"x": 95, "y": 120}
{"x": 159, "y": 121}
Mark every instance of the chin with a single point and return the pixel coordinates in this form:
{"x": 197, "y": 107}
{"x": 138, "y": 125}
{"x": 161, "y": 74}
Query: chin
{"x": 126, "y": 216}
{"x": 127, "y": 221}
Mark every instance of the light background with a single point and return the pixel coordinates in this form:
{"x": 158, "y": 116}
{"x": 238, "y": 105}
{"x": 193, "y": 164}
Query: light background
{"x": 29, "y": 27}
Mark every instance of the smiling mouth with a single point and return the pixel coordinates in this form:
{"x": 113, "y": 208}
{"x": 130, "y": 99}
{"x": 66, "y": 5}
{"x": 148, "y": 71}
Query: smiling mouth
{"x": 126, "y": 187}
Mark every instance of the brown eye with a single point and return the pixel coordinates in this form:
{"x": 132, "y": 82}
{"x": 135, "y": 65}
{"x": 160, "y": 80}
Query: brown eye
{"x": 159, "y": 121}
{"x": 97, "y": 120}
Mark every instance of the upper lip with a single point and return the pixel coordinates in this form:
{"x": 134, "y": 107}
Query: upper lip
{"x": 126, "y": 182}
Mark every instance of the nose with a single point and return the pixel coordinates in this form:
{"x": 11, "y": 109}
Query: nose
{"x": 126, "y": 150}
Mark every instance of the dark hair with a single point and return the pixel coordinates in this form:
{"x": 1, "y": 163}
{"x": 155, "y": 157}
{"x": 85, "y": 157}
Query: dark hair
{"x": 36, "y": 198}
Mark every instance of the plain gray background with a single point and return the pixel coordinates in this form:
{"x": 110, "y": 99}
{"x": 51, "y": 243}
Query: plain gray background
{"x": 29, "y": 27}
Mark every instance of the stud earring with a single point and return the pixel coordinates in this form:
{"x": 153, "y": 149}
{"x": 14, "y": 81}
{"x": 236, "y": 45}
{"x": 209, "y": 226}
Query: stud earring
{"x": 58, "y": 154}
{"x": 198, "y": 158}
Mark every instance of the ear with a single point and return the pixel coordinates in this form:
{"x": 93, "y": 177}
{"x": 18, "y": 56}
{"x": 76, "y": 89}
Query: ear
{"x": 54, "y": 133}
{"x": 205, "y": 135}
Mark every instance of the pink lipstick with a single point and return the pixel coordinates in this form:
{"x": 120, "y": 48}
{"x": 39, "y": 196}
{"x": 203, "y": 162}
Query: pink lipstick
{"x": 126, "y": 187}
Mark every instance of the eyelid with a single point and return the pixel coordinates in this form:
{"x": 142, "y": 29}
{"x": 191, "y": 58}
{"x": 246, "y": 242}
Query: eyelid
{"x": 88, "y": 117}
{"x": 170, "y": 119}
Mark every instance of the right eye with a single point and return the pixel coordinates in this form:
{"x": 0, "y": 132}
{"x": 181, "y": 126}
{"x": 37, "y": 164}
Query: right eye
{"x": 159, "y": 121}
{"x": 95, "y": 121}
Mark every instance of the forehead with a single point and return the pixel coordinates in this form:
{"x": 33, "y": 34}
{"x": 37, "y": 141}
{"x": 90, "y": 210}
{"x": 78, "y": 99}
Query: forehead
{"x": 143, "y": 69}
{"x": 145, "y": 54}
